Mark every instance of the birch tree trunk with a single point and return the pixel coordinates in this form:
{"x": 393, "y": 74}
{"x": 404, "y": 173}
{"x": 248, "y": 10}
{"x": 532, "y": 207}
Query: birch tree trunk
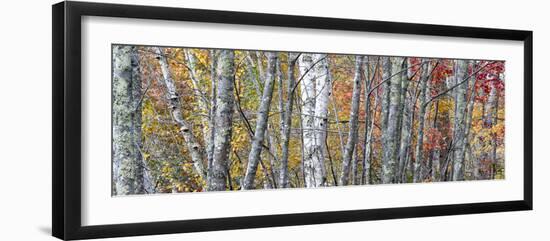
{"x": 212, "y": 111}
{"x": 353, "y": 122}
{"x": 314, "y": 70}
{"x": 287, "y": 121}
{"x": 323, "y": 91}
{"x": 201, "y": 98}
{"x": 419, "y": 151}
{"x": 217, "y": 172}
{"x": 130, "y": 174}
{"x": 174, "y": 104}
{"x": 459, "y": 120}
{"x": 261, "y": 123}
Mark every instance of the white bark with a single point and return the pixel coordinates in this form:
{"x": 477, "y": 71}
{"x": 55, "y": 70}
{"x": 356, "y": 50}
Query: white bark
{"x": 199, "y": 95}
{"x": 212, "y": 111}
{"x": 315, "y": 87}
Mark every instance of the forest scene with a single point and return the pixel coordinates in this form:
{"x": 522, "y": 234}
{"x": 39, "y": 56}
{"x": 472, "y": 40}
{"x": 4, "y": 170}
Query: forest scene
{"x": 200, "y": 120}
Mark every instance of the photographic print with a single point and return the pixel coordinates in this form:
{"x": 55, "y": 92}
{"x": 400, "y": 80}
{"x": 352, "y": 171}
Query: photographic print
{"x": 200, "y": 120}
{"x": 311, "y": 120}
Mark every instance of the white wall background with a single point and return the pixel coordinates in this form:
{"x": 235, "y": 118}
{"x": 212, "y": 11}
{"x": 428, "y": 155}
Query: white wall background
{"x": 25, "y": 119}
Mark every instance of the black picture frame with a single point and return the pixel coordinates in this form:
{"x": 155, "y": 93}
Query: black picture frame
{"x": 66, "y": 128}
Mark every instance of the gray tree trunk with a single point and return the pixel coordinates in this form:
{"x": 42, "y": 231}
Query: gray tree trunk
{"x": 261, "y": 123}
{"x": 404, "y": 122}
{"x": 314, "y": 71}
{"x": 287, "y": 121}
{"x": 225, "y": 99}
{"x": 390, "y": 140}
{"x": 353, "y": 122}
{"x": 424, "y": 96}
{"x": 491, "y": 119}
{"x": 459, "y": 120}
{"x": 468, "y": 124}
{"x": 384, "y": 119}
{"x": 174, "y": 103}
{"x": 130, "y": 174}
{"x": 355, "y": 167}
{"x": 436, "y": 165}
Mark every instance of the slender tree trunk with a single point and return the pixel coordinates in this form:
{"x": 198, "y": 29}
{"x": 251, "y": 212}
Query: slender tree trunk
{"x": 353, "y": 122}
{"x": 491, "y": 120}
{"x": 205, "y": 113}
{"x": 401, "y": 108}
{"x": 459, "y": 120}
{"x": 199, "y": 95}
{"x": 406, "y": 136}
{"x": 436, "y": 165}
{"x": 261, "y": 123}
{"x": 386, "y": 92}
{"x": 314, "y": 70}
{"x": 494, "y": 160}
{"x": 271, "y": 156}
{"x": 367, "y": 152}
{"x": 287, "y": 122}
{"x": 217, "y": 172}
{"x": 424, "y": 95}
{"x": 354, "y": 167}
{"x": 130, "y": 174}
{"x": 174, "y": 103}
{"x": 468, "y": 124}
{"x": 212, "y": 113}
{"x": 365, "y": 174}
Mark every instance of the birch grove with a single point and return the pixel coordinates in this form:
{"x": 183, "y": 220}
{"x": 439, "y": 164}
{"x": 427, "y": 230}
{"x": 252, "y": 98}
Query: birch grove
{"x": 194, "y": 120}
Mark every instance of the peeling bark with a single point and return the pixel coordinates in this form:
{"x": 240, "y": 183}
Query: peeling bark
{"x": 314, "y": 71}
